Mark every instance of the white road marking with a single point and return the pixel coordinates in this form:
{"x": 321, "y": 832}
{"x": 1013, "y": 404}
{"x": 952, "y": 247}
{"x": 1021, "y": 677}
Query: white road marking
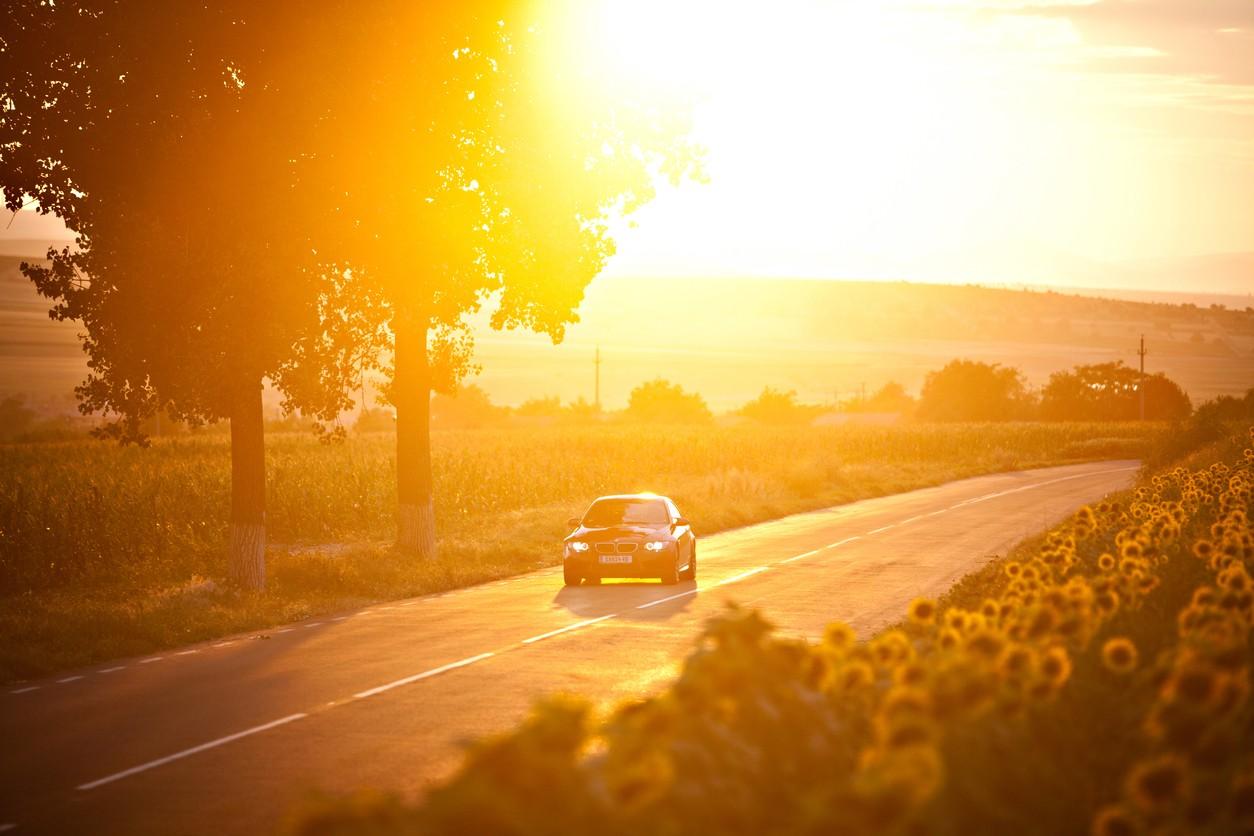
{"x": 882, "y": 528}
{"x": 1022, "y": 488}
{"x": 150, "y": 660}
{"x": 340, "y": 618}
{"x": 667, "y": 598}
{"x": 813, "y": 552}
{"x": 567, "y": 629}
{"x": 68, "y": 679}
{"x": 114, "y": 669}
{"x": 143, "y": 767}
{"x": 810, "y": 553}
{"x": 361, "y": 695}
{"x": 284, "y": 630}
{"x": 224, "y": 644}
{"x": 313, "y": 624}
{"x": 187, "y": 652}
{"x": 741, "y": 576}
{"x": 25, "y": 690}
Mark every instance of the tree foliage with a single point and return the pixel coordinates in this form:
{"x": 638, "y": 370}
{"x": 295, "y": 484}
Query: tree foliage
{"x": 967, "y": 390}
{"x": 1111, "y": 392}
{"x": 662, "y": 402}
{"x": 775, "y": 406}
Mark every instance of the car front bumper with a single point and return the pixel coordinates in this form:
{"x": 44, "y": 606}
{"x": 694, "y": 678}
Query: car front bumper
{"x": 644, "y": 564}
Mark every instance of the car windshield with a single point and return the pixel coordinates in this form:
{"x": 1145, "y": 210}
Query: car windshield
{"x": 607, "y": 512}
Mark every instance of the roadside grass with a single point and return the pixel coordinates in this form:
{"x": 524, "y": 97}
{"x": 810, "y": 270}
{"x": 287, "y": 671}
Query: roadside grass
{"x": 108, "y": 551}
{"x": 1097, "y": 679}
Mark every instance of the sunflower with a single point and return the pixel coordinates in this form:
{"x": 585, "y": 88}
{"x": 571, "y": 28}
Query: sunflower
{"x": 855, "y": 676}
{"x": 922, "y": 611}
{"x": 1159, "y": 783}
{"x": 839, "y": 636}
{"x": 1119, "y": 655}
{"x": 1056, "y": 665}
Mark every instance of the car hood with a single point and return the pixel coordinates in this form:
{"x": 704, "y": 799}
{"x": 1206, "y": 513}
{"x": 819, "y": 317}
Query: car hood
{"x": 614, "y": 533}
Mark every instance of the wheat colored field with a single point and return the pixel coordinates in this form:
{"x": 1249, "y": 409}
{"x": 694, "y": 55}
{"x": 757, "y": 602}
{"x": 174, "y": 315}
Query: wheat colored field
{"x": 108, "y": 550}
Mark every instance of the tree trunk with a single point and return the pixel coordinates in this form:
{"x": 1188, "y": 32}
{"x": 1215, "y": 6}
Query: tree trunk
{"x": 412, "y": 398}
{"x": 248, "y": 489}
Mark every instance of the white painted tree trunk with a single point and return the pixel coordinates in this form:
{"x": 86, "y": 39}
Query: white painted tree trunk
{"x": 248, "y": 555}
{"x": 416, "y": 529}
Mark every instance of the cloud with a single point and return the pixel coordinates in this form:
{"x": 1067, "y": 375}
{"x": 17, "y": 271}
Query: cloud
{"x": 1212, "y": 39}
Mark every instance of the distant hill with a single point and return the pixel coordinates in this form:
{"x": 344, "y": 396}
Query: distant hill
{"x": 727, "y": 338}
{"x": 1221, "y": 272}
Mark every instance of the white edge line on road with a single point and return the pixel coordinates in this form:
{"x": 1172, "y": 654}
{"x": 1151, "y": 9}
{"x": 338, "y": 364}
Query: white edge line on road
{"x": 567, "y": 629}
{"x": 187, "y": 652}
{"x": 1022, "y": 488}
{"x": 25, "y": 690}
{"x": 282, "y": 630}
{"x": 314, "y": 624}
{"x": 361, "y": 695}
{"x": 69, "y": 679}
{"x": 113, "y": 669}
{"x": 667, "y": 598}
{"x": 742, "y": 576}
{"x": 150, "y": 660}
{"x": 143, "y": 767}
{"x": 813, "y": 552}
{"x": 810, "y": 553}
{"x": 223, "y": 644}
{"x": 882, "y": 528}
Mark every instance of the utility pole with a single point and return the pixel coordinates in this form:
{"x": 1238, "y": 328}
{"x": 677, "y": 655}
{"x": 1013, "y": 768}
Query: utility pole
{"x": 597, "y": 391}
{"x": 1140, "y": 387}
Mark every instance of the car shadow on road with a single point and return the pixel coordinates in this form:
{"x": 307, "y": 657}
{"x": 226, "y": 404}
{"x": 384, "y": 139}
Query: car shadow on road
{"x": 627, "y": 598}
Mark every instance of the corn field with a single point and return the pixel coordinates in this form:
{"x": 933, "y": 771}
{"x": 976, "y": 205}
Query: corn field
{"x": 95, "y": 512}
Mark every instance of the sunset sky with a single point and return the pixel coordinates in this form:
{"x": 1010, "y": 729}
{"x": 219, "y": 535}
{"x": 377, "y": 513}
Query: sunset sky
{"x": 995, "y": 141}
{"x": 967, "y": 140}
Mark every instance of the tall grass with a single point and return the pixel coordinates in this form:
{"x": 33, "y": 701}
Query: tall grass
{"x": 92, "y": 511}
{"x": 109, "y": 551}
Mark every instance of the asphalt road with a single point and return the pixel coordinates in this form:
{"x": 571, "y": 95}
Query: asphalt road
{"x": 224, "y": 737}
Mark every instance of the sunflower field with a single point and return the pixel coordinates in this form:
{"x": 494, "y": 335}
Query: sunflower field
{"x": 1096, "y": 680}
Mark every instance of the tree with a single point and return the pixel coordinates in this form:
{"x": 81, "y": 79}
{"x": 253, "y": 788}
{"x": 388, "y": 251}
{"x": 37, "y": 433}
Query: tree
{"x": 775, "y": 406}
{"x": 966, "y": 390}
{"x": 891, "y": 397}
{"x": 15, "y": 417}
{"x": 468, "y": 407}
{"x": 167, "y": 137}
{"x": 543, "y": 407}
{"x": 662, "y": 402}
{"x": 1110, "y": 392}
{"x": 375, "y": 420}
{"x": 494, "y": 171}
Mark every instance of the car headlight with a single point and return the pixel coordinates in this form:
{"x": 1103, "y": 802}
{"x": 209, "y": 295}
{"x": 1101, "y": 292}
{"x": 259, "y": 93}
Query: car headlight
{"x": 577, "y": 546}
{"x": 656, "y": 545}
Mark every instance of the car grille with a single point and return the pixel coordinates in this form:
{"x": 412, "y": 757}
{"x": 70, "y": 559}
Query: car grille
{"x": 620, "y": 548}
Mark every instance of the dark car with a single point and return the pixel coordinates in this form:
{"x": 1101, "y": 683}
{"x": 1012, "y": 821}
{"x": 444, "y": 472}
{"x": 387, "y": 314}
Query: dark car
{"x": 630, "y": 536}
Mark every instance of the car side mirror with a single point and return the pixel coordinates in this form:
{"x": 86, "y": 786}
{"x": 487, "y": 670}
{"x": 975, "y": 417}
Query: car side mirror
{"x": 682, "y": 521}
{"x": 574, "y": 522}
